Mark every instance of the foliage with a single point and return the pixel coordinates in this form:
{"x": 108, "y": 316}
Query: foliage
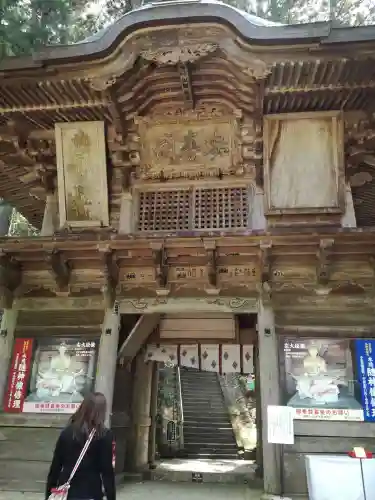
{"x": 20, "y": 226}
{"x": 343, "y": 12}
{"x": 26, "y": 25}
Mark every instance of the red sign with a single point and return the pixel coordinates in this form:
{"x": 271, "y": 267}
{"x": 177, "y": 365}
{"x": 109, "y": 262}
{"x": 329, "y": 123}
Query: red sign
{"x": 18, "y": 375}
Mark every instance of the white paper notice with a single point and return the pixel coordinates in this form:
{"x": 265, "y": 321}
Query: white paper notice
{"x": 280, "y": 424}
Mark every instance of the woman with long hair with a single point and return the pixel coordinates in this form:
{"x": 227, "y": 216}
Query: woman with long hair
{"x": 95, "y": 470}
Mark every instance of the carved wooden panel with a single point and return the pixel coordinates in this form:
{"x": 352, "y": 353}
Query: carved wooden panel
{"x": 82, "y": 174}
{"x": 137, "y": 276}
{"x": 238, "y": 275}
{"x": 206, "y": 208}
{"x": 303, "y": 158}
{"x": 185, "y": 274}
{"x": 189, "y": 144}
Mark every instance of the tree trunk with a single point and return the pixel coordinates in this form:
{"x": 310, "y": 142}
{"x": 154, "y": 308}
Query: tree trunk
{"x": 5, "y": 216}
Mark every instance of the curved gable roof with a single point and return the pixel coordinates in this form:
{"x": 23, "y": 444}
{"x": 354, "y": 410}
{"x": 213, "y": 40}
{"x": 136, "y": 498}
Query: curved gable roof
{"x": 252, "y": 28}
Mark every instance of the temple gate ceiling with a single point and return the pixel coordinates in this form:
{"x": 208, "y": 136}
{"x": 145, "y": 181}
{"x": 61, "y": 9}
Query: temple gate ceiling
{"x": 139, "y": 68}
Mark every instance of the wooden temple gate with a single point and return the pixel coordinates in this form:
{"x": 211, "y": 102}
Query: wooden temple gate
{"x": 245, "y": 188}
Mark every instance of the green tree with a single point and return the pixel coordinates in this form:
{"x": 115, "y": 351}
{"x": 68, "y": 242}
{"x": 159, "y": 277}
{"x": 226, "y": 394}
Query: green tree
{"x": 20, "y": 226}
{"x": 27, "y": 25}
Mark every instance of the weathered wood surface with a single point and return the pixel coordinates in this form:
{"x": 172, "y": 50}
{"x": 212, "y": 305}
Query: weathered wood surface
{"x": 23, "y": 475}
{"x": 197, "y": 326}
{"x": 137, "y": 337}
{"x": 82, "y": 174}
{"x": 315, "y": 266}
{"x": 269, "y": 395}
{"x": 303, "y": 161}
{"x": 321, "y": 437}
{"x": 25, "y": 456}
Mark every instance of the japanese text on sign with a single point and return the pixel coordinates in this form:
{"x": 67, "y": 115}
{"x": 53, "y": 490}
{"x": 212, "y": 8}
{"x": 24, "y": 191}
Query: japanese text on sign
{"x": 365, "y": 352}
{"x": 18, "y": 375}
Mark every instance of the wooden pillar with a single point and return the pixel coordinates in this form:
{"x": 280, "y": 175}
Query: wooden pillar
{"x": 349, "y": 218}
{"x": 141, "y": 412}
{"x": 8, "y": 326}
{"x": 51, "y": 211}
{"x": 105, "y": 377}
{"x": 269, "y": 393}
{"x": 126, "y": 222}
{"x": 153, "y": 414}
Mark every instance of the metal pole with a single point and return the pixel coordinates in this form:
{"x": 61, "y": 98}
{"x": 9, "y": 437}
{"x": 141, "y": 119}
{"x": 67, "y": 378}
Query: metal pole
{"x": 282, "y": 482}
{"x": 363, "y": 479}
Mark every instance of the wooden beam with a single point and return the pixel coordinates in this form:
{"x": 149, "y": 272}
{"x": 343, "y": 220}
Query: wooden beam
{"x": 324, "y": 262}
{"x": 270, "y": 395}
{"x": 210, "y": 247}
{"x": 60, "y": 270}
{"x": 138, "y": 336}
{"x": 111, "y": 275}
{"x": 326, "y": 330}
{"x": 10, "y": 279}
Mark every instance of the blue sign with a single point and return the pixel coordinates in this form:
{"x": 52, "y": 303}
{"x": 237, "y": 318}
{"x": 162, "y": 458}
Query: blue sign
{"x": 365, "y": 355}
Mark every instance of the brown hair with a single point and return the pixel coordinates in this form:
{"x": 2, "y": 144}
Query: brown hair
{"x": 90, "y": 415}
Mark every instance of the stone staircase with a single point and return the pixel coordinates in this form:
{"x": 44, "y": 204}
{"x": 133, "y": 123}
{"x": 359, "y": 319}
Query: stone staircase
{"x": 208, "y": 431}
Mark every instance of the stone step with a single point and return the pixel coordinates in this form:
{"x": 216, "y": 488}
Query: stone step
{"x": 211, "y": 415}
{"x": 201, "y": 403}
{"x": 213, "y": 418}
{"x": 199, "y": 437}
{"x": 213, "y": 445}
{"x": 213, "y": 424}
{"x": 200, "y": 390}
{"x": 210, "y": 441}
{"x": 204, "y": 407}
{"x": 199, "y": 380}
{"x": 212, "y": 456}
{"x": 196, "y": 397}
{"x": 218, "y": 429}
{"x": 205, "y": 410}
{"x": 187, "y": 476}
{"x": 200, "y": 383}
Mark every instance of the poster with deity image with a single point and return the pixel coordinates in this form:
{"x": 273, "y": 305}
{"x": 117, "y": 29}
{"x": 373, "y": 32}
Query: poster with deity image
{"x": 319, "y": 379}
{"x": 61, "y": 372}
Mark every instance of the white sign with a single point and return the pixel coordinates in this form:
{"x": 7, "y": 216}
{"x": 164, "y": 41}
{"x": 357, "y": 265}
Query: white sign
{"x": 31, "y": 407}
{"x": 280, "y": 424}
{"x": 328, "y": 414}
{"x": 339, "y": 477}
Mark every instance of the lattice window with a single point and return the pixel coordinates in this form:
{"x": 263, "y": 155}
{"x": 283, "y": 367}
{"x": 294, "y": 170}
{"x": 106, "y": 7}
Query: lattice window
{"x": 164, "y": 210}
{"x": 194, "y": 209}
{"x": 224, "y": 208}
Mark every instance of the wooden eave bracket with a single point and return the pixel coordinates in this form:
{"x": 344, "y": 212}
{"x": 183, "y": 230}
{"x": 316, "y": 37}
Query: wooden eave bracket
{"x": 60, "y": 270}
{"x": 10, "y": 279}
{"x": 160, "y": 258}
{"x": 211, "y": 250}
{"x": 323, "y": 268}
{"x": 111, "y": 275}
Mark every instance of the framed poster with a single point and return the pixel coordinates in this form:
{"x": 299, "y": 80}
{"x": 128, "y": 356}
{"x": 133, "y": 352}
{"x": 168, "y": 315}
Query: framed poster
{"x": 56, "y": 377}
{"x": 319, "y": 379}
{"x": 365, "y": 357}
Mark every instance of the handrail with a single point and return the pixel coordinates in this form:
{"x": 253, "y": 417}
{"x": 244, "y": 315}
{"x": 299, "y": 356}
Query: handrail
{"x": 181, "y": 408}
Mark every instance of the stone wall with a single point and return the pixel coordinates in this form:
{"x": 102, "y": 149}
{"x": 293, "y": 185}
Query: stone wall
{"x": 241, "y": 410}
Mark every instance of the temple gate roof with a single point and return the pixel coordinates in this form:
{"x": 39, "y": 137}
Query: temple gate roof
{"x": 138, "y": 63}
